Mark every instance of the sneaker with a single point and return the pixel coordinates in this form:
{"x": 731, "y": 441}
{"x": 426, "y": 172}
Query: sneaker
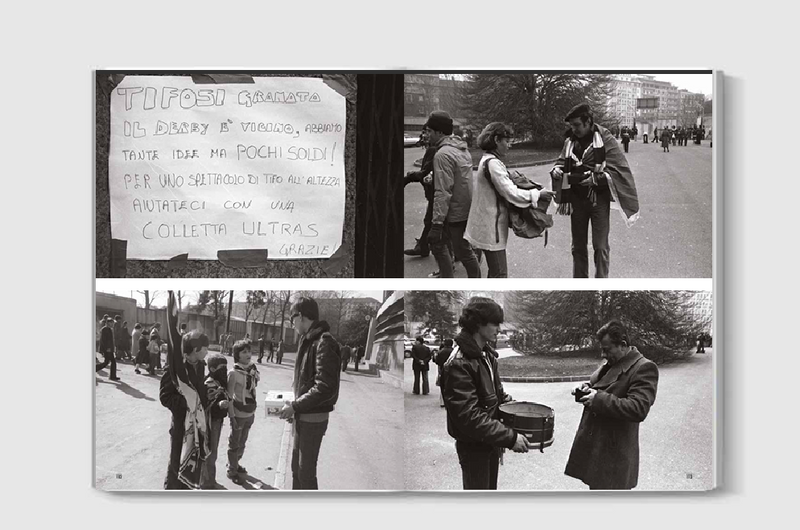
{"x": 435, "y": 274}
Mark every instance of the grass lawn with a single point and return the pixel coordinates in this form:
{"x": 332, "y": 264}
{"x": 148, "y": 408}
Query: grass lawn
{"x": 541, "y": 366}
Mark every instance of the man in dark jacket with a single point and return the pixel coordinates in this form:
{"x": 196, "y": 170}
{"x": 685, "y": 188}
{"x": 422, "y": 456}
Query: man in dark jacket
{"x": 346, "y": 357}
{"x": 473, "y": 394}
{"x": 452, "y": 196}
{"x": 605, "y": 453}
{"x": 107, "y": 350}
{"x": 194, "y": 348}
{"x": 425, "y": 177}
{"x": 316, "y": 388}
{"x": 421, "y": 355}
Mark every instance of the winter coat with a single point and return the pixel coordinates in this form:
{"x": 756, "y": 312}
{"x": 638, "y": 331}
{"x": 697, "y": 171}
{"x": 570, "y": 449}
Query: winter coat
{"x": 487, "y": 226}
{"x": 666, "y": 137}
{"x": 422, "y": 355}
{"x": 316, "y": 371}
{"x": 106, "y": 340}
{"x": 473, "y": 393}
{"x": 452, "y": 181}
{"x": 605, "y": 452}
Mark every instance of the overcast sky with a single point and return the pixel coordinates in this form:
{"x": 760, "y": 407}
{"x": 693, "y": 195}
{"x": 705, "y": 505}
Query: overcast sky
{"x": 701, "y": 83}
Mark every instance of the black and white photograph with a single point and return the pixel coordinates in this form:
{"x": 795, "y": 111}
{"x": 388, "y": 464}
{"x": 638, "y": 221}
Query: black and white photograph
{"x": 560, "y": 390}
{"x": 247, "y": 174}
{"x": 248, "y": 390}
{"x": 558, "y": 175}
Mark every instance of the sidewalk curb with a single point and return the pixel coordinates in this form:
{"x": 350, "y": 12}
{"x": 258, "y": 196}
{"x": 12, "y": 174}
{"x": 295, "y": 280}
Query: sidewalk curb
{"x": 547, "y": 379}
{"x": 283, "y": 461}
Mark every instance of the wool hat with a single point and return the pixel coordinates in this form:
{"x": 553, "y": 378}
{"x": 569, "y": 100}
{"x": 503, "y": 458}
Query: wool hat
{"x": 306, "y": 307}
{"x": 440, "y": 121}
{"x": 583, "y": 109}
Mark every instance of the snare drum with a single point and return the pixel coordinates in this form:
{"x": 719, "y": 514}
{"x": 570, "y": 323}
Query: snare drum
{"x": 534, "y": 421}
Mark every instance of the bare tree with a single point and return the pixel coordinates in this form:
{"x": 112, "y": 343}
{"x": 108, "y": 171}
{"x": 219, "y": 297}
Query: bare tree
{"x": 150, "y": 297}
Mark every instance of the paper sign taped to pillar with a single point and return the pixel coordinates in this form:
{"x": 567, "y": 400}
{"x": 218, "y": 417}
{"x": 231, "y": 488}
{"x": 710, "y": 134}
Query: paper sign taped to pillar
{"x": 196, "y": 168}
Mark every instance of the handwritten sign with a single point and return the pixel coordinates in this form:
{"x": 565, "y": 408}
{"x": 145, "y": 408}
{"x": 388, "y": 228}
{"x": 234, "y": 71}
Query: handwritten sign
{"x": 200, "y": 168}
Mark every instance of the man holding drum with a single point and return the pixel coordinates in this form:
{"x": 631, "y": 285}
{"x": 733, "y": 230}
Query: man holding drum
{"x": 473, "y": 393}
{"x": 605, "y": 453}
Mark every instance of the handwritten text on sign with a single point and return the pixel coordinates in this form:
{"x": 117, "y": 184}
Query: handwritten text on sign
{"x": 200, "y": 168}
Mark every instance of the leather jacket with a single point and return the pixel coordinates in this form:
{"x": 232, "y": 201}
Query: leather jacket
{"x": 473, "y": 394}
{"x": 317, "y": 371}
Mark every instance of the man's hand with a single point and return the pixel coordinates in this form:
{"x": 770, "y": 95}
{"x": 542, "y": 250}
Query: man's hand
{"x": 436, "y": 234}
{"x": 287, "y": 412}
{"x": 587, "y": 399}
{"x": 521, "y": 445}
{"x": 427, "y": 179}
{"x": 223, "y": 404}
{"x": 557, "y": 173}
{"x": 546, "y": 194}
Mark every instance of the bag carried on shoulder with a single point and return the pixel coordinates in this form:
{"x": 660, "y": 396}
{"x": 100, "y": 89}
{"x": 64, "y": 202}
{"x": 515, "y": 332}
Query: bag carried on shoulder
{"x": 530, "y": 222}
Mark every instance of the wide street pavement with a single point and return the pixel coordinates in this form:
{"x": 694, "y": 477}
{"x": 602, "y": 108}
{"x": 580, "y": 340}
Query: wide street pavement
{"x": 675, "y": 439}
{"x": 361, "y": 449}
{"x": 671, "y": 239}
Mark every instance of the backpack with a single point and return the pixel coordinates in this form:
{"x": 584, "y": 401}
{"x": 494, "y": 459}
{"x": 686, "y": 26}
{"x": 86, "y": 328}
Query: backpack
{"x": 530, "y": 222}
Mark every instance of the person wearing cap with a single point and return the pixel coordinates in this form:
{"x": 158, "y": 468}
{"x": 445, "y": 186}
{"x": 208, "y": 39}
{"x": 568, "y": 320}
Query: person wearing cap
{"x": 617, "y": 398}
{"x": 194, "y": 348}
{"x": 317, "y": 370}
{"x": 494, "y": 189}
{"x": 590, "y": 173}
{"x": 107, "y": 349}
{"x": 473, "y": 393}
{"x": 452, "y": 196}
{"x": 218, "y": 409}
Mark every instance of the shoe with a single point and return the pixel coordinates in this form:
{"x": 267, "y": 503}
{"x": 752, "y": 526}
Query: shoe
{"x": 235, "y": 478}
{"x": 137, "y": 371}
{"x": 434, "y": 274}
{"x": 417, "y": 251}
{"x": 242, "y": 470}
{"x": 114, "y": 379}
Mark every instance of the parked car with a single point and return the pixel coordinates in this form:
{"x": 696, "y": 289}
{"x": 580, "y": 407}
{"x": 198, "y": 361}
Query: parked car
{"x": 411, "y": 140}
{"x": 407, "y": 343}
{"x": 503, "y": 340}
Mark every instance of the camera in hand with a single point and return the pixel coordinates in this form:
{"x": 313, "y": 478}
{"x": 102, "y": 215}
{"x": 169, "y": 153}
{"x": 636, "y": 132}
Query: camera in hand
{"x": 581, "y": 392}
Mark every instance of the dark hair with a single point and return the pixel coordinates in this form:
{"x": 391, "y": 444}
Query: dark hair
{"x": 137, "y": 326}
{"x": 479, "y": 312}
{"x": 420, "y": 339}
{"x": 448, "y": 343}
{"x": 487, "y": 140}
{"x": 193, "y": 340}
{"x": 239, "y": 347}
{"x": 306, "y": 307}
{"x": 582, "y": 111}
{"x": 183, "y": 326}
{"x": 616, "y": 332}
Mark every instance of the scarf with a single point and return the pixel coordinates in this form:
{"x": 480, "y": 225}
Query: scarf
{"x": 195, "y": 443}
{"x": 609, "y": 164}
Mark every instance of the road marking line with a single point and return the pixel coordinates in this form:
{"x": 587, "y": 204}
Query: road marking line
{"x": 280, "y": 472}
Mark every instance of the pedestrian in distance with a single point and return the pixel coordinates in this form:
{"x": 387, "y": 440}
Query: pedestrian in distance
{"x": 317, "y": 372}
{"x": 655, "y": 135}
{"x": 260, "y": 348}
{"x": 140, "y": 343}
{"x": 107, "y": 349}
{"x": 644, "y": 138}
{"x": 155, "y": 334}
{"x": 421, "y": 355}
{"x": 242, "y": 383}
{"x": 279, "y": 352}
{"x": 346, "y": 357}
{"x": 154, "y": 349}
{"x": 666, "y": 138}
{"x": 125, "y": 341}
{"x": 359, "y": 356}
{"x": 617, "y": 398}
{"x": 626, "y": 140}
{"x": 173, "y": 394}
{"x": 493, "y": 191}
{"x": 674, "y": 135}
{"x": 441, "y": 357}
{"x": 218, "y": 400}
{"x": 271, "y": 355}
{"x": 119, "y": 340}
{"x": 473, "y": 394}
{"x": 452, "y": 197}
{"x": 590, "y": 173}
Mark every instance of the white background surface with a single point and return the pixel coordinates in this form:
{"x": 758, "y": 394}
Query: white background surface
{"x": 48, "y": 145}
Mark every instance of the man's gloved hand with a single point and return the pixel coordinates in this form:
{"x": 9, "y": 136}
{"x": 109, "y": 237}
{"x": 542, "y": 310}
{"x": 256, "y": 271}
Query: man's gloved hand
{"x": 436, "y": 234}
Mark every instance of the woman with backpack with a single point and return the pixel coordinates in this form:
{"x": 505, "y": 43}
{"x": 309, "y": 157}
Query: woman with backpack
{"x": 492, "y": 190}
